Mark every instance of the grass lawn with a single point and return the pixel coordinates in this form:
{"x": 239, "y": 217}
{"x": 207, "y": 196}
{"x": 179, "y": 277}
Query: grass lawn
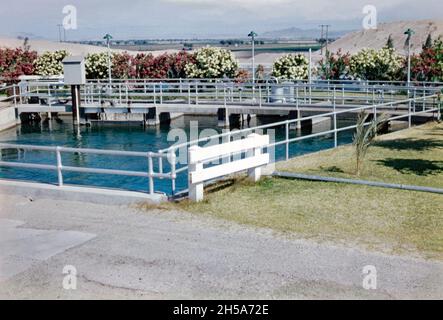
{"x": 388, "y": 220}
{"x": 413, "y": 156}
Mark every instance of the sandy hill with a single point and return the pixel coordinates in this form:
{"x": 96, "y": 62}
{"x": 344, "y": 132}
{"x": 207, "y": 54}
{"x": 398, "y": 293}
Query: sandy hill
{"x": 75, "y": 49}
{"x": 355, "y": 41}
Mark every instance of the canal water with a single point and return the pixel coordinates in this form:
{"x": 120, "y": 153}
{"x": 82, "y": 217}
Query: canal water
{"x": 128, "y": 137}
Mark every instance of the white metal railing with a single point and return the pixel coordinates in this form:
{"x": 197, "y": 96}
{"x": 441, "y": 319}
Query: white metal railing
{"x": 430, "y": 105}
{"x": 145, "y": 93}
{"x": 59, "y": 167}
{"x": 416, "y": 105}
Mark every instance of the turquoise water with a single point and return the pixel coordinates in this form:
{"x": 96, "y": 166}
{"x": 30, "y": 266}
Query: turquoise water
{"x": 128, "y": 137}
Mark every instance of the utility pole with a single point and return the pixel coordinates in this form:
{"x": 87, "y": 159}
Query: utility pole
{"x": 323, "y": 28}
{"x": 60, "y": 32}
{"x": 321, "y": 38}
{"x": 327, "y": 37}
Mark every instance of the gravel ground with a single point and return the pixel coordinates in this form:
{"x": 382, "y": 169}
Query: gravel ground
{"x": 129, "y": 253}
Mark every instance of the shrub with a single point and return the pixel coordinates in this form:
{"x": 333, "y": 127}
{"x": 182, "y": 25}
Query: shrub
{"x": 96, "y": 65}
{"x": 148, "y": 66}
{"x": 16, "y": 62}
{"x": 178, "y": 62}
{"x": 291, "y": 66}
{"x": 212, "y": 63}
{"x": 383, "y": 64}
{"x": 123, "y": 66}
{"x": 428, "y": 65}
{"x": 50, "y": 63}
{"x": 335, "y": 66}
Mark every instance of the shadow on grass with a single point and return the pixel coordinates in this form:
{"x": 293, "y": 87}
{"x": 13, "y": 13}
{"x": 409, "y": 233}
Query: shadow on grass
{"x": 410, "y": 144}
{"x": 419, "y": 167}
{"x": 332, "y": 169}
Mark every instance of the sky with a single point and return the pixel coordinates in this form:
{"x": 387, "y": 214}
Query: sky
{"x": 156, "y": 19}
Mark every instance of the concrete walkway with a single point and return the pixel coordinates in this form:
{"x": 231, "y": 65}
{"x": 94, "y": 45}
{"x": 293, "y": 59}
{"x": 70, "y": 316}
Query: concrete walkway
{"x": 155, "y": 254}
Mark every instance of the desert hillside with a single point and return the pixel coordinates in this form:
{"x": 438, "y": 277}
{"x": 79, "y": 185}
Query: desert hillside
{"x": 75, "y": 49}
{"x": 354, "y": 41}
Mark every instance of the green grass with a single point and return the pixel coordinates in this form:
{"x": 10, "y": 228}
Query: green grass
{"x": 413, "y": 156}
{"x": 387, "y": 220}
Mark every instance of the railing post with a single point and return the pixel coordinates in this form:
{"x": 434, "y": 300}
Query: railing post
{"x": 151, "y": 173}
{"x": 189, "y": 94}
{"x": 59, "y": 167}
{"x": 172, "y": 160}
{"x": 14, "y": 95}
{"x": 195, "y": 189}
{"x": 335, "y": 121}
{"x": 287, "y": 139}
{"x": 161, "y": 92}
{"x": 196, "y": 93}
{"x": 259, "y": 95}
{"x": 155, "y": 93}
{"x": 254, "y": 174}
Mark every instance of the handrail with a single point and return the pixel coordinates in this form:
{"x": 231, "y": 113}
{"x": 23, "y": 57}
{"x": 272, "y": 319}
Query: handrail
{"x": 59, "y": 167}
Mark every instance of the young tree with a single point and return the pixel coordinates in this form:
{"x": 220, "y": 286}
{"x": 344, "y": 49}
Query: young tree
{"x": 364, "y": 136}
{"x": 428, "y": 43}
{"x": 390, "y": 42}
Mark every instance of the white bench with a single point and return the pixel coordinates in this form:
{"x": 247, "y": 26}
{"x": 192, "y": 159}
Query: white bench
{"x": 198, "y": 156}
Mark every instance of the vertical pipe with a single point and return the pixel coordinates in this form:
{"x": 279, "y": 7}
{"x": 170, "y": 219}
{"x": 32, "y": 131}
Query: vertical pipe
{"x": 151, "y": 173}
{"x": 335, "y": 121}
{"x": 287, "y": 139}
{"x": 59, "y": 167}
{"x": 172, "y": 159}
{"x": 260, "y": 95}
{"x": 161, "y": 92}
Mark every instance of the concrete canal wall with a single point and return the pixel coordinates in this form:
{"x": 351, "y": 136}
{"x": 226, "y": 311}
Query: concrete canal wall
{"x": 7, "y": 118}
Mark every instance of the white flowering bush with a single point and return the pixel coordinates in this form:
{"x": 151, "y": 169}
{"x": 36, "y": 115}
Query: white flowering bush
{"x": 291, "y": 66}
{"x": 383, "y": 64}
{"x": 50, "y": 63}
{"x": 96, "y": 65}
{"x": 212, "y": 63}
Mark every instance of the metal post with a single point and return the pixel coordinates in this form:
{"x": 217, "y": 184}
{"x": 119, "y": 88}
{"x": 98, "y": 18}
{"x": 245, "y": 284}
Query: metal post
{"x": 14, "y": 95}
{"x": 287, "y": 140}
{"x": 59, "y": 167}
{"x": 172, "y": 160}
{"x": 260, "y": 97}
{"x": 335, "y": 121}
{"x": 151, "y": 173}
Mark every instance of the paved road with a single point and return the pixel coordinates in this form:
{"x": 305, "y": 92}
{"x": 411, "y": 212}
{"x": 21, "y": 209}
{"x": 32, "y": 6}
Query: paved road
{"x": 121, "y": 252}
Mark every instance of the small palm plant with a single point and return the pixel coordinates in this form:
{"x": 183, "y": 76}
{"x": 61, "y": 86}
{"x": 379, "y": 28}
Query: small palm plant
{"x": 364, "y": 136}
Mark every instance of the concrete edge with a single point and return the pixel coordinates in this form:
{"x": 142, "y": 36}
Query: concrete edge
{"x": 74, "y": 193}
{"x": 289, "y": 175}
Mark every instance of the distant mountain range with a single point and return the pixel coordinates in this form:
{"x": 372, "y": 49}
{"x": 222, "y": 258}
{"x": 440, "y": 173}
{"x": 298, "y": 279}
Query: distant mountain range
{"x": 302, "y": 34}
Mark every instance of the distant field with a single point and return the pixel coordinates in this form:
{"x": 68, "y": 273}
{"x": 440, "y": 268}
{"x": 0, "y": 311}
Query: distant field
{"x": 278, "y": 47}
